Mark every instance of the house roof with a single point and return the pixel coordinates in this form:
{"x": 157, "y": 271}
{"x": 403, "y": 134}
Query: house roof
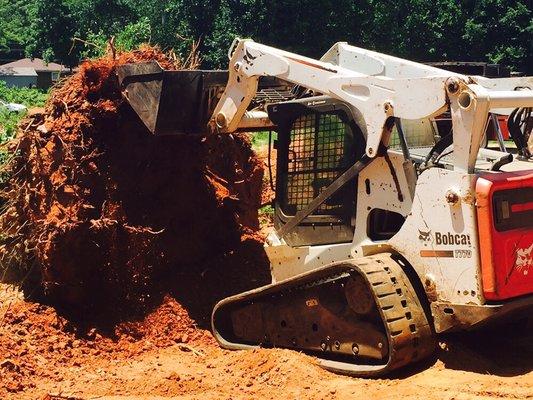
{"x": 37, "y": 64}
{"x": 17, "y": 71}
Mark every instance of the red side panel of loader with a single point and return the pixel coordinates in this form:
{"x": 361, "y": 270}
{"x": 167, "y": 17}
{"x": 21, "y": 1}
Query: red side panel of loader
{"x": 505, "y": 225}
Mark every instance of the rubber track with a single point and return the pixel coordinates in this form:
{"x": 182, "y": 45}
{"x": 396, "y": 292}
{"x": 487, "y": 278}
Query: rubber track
{"x": 408, "y": 331}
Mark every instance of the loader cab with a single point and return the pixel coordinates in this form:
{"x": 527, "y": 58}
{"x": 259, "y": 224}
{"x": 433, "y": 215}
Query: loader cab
{"x": 318, "y": 140}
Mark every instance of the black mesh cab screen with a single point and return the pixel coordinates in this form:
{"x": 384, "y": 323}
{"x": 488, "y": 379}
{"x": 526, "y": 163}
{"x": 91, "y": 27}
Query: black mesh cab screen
{"x": 317, "y": 142}
{"x": 319, "y": 150}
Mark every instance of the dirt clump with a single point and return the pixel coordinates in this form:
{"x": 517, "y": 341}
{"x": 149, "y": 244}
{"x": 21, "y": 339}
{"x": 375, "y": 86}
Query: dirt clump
{"x": 36, "y": 341}
{"x": 106, "y": 212}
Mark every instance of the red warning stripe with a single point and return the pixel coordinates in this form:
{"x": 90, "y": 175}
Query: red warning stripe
{"x": 521, "y": 207}
{"x": 436, "y": 253}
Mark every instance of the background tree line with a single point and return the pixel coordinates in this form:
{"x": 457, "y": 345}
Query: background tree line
{"x": 498, "y": 31}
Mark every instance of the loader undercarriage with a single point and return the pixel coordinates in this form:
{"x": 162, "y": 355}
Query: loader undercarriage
{"x": 359, "y": 317}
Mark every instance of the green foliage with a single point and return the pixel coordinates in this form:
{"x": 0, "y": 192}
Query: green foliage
{"x": 417, "y": 29}
{"x": 8, "y": 126}
{"x": 500, "y": 31}
{"x": 9, "y": 120}
{"x": 134, "y": 34}
{"x": 260, "y": 139}
{"x": 129, "y": 38}
{"x": 52, "y": 28}
{"x": 266, "y": 210}
{"x": 106, "y": 16}
{"x": 425, "y": 30}
{"x": 14, "y": 21}
{"x": 28, "y": 97}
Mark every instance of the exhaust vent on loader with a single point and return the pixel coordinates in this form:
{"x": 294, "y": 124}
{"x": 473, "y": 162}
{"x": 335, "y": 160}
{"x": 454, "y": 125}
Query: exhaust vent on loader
{"x": 171, "y": 102}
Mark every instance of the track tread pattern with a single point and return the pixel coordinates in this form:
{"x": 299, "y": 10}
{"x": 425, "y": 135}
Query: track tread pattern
{"x": 407, "y": 328}
{"x": 409, "y": 332}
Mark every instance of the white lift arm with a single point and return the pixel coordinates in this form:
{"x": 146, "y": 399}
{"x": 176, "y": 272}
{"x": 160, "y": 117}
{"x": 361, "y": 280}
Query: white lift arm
{"x": 378, "y": 85}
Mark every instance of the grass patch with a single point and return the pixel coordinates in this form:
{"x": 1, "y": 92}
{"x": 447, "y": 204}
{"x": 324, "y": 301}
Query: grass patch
{"x": 266, "y": 210}
{"x": 260, "y": 139}
{"x": 9, "y": 120}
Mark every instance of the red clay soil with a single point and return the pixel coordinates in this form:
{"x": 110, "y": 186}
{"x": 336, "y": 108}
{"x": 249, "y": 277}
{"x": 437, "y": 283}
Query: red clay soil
{"x": 108, "y": 213}
{"x": 130, "y": 238}
{"x": 164, "y": 355}
{"x": 35, "y": 340}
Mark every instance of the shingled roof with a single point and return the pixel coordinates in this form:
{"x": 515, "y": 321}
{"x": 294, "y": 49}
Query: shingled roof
{"x": 37, "y": 64}
{"x": 17, "y": 71}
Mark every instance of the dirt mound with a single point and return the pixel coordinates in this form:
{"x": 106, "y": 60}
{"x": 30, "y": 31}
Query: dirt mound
{"x": 128, "y": 235}
{"x": 105, "y": 211}
{"x": 42, "y": 349}
{"x": 36, "y": 341}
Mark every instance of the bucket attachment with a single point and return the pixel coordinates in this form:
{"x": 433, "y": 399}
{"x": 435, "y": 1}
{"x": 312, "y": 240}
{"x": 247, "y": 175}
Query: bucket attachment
{"x": 171, "y": 102}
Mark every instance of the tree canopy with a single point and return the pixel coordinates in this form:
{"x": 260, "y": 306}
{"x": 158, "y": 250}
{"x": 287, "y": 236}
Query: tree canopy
{"x": 498, "y": 31}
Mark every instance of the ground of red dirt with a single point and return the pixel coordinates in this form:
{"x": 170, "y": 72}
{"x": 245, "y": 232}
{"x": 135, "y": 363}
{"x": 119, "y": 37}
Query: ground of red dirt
{"x": 165, "y": 355}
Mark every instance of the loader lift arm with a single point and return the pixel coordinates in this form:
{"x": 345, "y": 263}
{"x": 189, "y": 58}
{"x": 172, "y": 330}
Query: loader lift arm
{"x": 376, "y": 97}
{"x": 377, "y": 85}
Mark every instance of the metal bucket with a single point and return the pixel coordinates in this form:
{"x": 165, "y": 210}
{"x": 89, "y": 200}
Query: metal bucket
{"x": 171, "y": 102}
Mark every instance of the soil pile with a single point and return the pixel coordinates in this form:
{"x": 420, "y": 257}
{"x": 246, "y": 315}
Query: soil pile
{"x": 106, "y": 212}
{"x": 35, "y": 341}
